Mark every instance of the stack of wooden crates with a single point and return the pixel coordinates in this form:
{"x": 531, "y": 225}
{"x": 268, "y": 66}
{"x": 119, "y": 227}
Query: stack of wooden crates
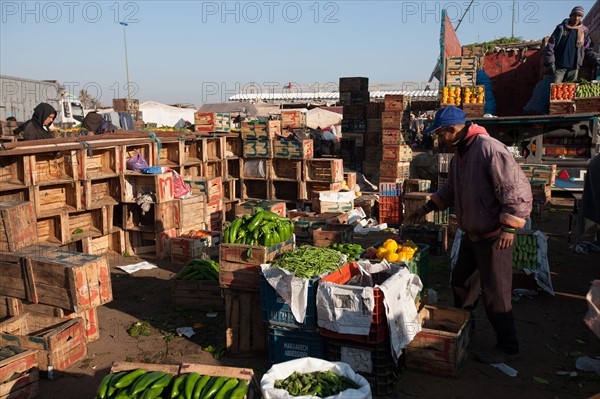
{"x": 355, "y": 98}
{"x": 542, "y": 178}
{"x": 397, "y": 155}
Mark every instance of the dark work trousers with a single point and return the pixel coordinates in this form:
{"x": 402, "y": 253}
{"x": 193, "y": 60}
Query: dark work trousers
{"x": 481, "y": 266}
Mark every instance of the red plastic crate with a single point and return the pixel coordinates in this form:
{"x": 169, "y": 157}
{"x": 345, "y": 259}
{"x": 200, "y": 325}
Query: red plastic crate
{"x": 391, "y": 210}
{"x": 378, "y": 331}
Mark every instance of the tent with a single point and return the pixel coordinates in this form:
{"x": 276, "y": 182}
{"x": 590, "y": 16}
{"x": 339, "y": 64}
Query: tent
{"x": 322, "y": 118}
{"x": 165, "y": 115}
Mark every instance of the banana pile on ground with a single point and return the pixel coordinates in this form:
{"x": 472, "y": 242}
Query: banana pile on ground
{"x": 199, "y": 269}
{"x": 318, "y": 383}
{"x": 525, "y": 252}
{"x": 142, "y": 384}
{"x": 263, "y": 228}
{"x": 588, "y": 89}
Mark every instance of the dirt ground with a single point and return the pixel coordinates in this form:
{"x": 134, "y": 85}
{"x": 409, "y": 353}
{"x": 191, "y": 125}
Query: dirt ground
{"x": 550, "y": 328}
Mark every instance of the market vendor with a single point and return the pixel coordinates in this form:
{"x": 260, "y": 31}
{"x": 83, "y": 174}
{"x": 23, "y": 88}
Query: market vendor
{"x": 37, "y": 127}
{"x": 492, "y": 198}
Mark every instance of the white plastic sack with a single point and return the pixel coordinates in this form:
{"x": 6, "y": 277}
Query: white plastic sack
{"x": 542, "y": 273}
{"x": 592, "y": 318}
{"x": 255, "y": 168}
{"x": 399, "y": 294}
{"x": 369, "y": 226}
{"x": 292, "y": 289}
{"x": 306, "y": 365}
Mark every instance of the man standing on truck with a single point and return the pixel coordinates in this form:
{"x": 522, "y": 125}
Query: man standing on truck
{"x": 567, "y": 48}
{"x": 492, "y": 198}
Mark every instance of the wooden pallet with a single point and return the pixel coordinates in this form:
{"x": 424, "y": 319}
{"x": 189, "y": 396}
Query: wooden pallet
{"x": 246, "y": 334}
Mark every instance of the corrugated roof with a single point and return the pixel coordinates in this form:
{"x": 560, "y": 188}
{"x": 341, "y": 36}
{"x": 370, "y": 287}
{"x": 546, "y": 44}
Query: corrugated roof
{"x": 331, "y": 96}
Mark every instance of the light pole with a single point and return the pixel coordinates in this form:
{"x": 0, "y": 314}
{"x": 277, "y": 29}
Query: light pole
{"x": 126, "y": 62}
{"x": 512, "y": 32}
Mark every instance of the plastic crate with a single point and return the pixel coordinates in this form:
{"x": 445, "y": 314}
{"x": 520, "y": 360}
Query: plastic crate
{"x": 390, "y": 210}
{"x": 277, "y": 313}
{"x": 390, "y": 189}
{"x": 374, "y": 362}
{"x": 286, "y": 344}
{"x": 378, "y": 331}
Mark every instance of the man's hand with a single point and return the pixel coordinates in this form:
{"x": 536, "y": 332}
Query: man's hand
{"x": 417, "y": 215}
{"x": 505, "y": 240}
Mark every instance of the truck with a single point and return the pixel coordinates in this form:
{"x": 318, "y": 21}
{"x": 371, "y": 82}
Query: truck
{"x": 562, "y": 137}
{"x": 19, "y": 96}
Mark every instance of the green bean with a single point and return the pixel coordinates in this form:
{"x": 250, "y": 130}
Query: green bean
{"x": 308, "y": 261}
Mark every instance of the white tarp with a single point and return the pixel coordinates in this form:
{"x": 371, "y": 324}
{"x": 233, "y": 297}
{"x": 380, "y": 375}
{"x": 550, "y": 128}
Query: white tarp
{"x": 165, "y": 115}
{"x": 322, "y": 118}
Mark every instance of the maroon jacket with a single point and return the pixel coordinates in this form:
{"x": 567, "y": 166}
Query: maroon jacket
{"x": 486, "y": 187}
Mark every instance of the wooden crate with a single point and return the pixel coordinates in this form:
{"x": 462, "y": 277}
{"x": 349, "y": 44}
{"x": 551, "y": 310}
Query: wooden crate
{"x": 256, "y": 130}
{"x": 212, "y": 169}
{"x": 374, "y": 126}
{"x": 324, "y": 206}
{"x": 354, "y": 126}
{"x": 212, "y": 122}
{"x": 413, "y": 201}
{"x": 145, "y": 150}
{"x": 396, "y": 170}
{"x": 103, "y": 245}
{"x": 313, "y": 188}
{"x": 18, "y": 225}
{"x": 209, "y": 187}
{"x": 324, "y": 170}
{"x": 12, "y": 283}
{"x": 192, "y": 152}
{"x": 101, "y": 192}
{"x": 397, "y": 153}
{"x": 13, "y": 173}
{"x": 190, "y": 211}
{"x": 293, "y": 149}
{"x": 287, "y": 190}
{"x": 55, "y": 199}
{"x": 66, "y": 279}
{"x": 91, "y": 325}
{"x": 169, "y": 154}
{"x": 59, "y": 343}
{"x": 285, "y": 169}
{"x": 354, "y": 84}
{"x": 353, "y": 111}
{"x": 160, "y": 186}
{"x": 394, "y": 102}
{"x": 215, "y": 215}
{"x": 255, "y": 168}
{"x": 474, "y": 110}
{"x": 258, "y": 149}
{"x": 255, "y": 189}
{"x": 587, "y": 105}
{"x": 274, "y": 128}
{"x": 10, "y": 306}
{"x": 306, "y": 222}
{"x": 245, "y": 332}
{"x": 332, "y": 234}
{"x": 184, "y": 249}
{"x": 213, "y": 149}
{"x": 442, "y": 346}
{"x": 367, "y": 203}
{"x": 247, "y": 207}
{"x": 391, "y": 120}
{"x": 197, "y": 295}
{"x": 150, "y": 243}
{"x": 19, "y": 376}
{"x": 130, "y": 366}
{"x": 102, "y": 163}
{"x": 52, "y": 168}
{"x": 233, "y": 147}
{"x": 350, "y": 179}
{"x": 238, "y": 253}
{"x": 360, "y": 98}
{"x": 234, "y": 168}
{"x": 293, "y": 119}
{"x": 562, "y": 107}
{"x": 159, "y": 217}
{"x": 416, "y": 185}
{"x": 547, "y": 173}
{"x": 231, "y": 190}
{"x": 126, "y": 104}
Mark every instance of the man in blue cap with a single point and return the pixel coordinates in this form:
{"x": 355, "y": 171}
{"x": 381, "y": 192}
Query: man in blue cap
{"x": 567, "y": 48}
{"x": 492, "y": 198}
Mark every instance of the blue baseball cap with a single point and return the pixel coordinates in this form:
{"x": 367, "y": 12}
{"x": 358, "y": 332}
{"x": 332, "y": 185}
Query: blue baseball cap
{"x": 446, "y": 117}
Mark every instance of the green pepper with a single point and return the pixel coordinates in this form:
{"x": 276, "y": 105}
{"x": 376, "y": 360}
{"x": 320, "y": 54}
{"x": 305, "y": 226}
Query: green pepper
{"x": 233, "y": 230}
{"x": 226, "y": 235}
{"x": 255, "y": 221}
{"x": 272, "y": 216}
{"x": 268, "y": 239}
{"x": 281, "y": 231}
{"x": 275, "y": 236}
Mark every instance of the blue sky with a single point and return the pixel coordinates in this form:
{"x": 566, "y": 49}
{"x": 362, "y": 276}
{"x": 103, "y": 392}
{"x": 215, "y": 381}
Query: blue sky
{"x": 204, "y": 51}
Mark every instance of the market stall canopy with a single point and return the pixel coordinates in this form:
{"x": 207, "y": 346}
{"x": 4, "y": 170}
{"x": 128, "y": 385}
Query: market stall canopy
{"x": 165, "y": 115}
{"x": 232, "y": 108}
{"x": 322, "y": 118}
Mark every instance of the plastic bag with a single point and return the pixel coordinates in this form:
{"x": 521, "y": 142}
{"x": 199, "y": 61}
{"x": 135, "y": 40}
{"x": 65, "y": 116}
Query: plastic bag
{"x": 306, "y": 365}
{"x": 180, "y": 189}
{"x": 136, "y": 162}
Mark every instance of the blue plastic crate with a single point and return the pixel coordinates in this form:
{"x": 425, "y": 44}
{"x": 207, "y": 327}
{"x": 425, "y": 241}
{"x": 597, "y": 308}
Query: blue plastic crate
{"x": 276, "y": 312}
{"x": 285, "y": 344}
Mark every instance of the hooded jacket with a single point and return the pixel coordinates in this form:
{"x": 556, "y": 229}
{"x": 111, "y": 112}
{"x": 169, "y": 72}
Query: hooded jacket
{"x": 35, "y": 126}
{"x": 486, "y": 187}
{"x": 586, "y": 51}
